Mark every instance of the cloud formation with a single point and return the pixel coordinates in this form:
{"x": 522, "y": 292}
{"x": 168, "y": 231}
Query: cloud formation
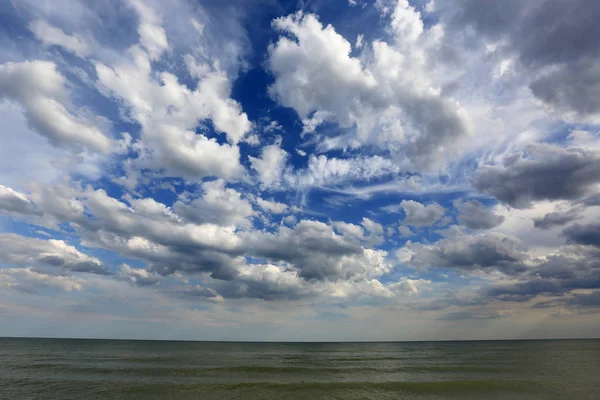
{"x": 234, "y": 168}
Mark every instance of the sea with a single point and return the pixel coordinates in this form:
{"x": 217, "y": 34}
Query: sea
{"x": 85, "y": 369}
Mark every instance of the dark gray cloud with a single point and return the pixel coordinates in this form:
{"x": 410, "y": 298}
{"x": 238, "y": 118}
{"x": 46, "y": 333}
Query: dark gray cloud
{"x": 592, "y": 200}
{"x": 575, "y": 301}
{"x": 572, "y": 88}
{"x": 317, "y": 252}
{"x": 474, "y": 215}
{"x": 548, "y": 172}
{"x": 587, "y": 234}
{"x": 556, "y": 37}
{"x": 557, "y": 218}
{"x": 284, "y": 285}
{"x": 490, "y": 251}
{"x": 570, "y": 268}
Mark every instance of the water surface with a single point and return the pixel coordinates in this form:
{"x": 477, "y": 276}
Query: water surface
{"x": 115, "y": 369}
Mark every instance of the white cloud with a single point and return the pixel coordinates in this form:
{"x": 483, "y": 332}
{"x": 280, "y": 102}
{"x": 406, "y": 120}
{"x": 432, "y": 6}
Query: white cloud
{"x": 324, "y": 171}
{"x": 28, "y": 280}
{"x": 270, "y": 165}
{"x": 372, "y": 227}
{"x": 41, "y": 90}
{"x": 52, "y": 36}
{"x": 272, "y": 206}
{"x": 218, "y": 204}
{"x": 170, "y": 112}
{"x": 349, "y": 230}
{"x": 154, "y": 39}
{"x": 389, "y": 99}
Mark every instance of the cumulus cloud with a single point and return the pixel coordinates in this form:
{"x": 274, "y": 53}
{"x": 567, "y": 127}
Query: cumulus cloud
{"x": 588, "y": 234}
{"x": 552, "y": 39}
{"x": 270, "y": 165}
{"x": 202, "y": 236}
{"x": 549, "y": 172}
{"x": 28, "y": 251}
{"x": 567, "y": 269}
{"x": 444, "y": 100}
{"x": 272, "y": 206}
{"x": 42, "y": 92}
{"x": 169, "y": 112}
{"x": 557, "y": 218}
{"x": 481, "y": 252}
{"x": 474, "y": 215}
{"x": 12, "y": 201}
{"x": 173, "y": 114}
{"x": 318, "y": 252}
{"x": 417, "y": 214}
{"x": 373, "y": 99}
{"x": 138, "y": 276}
{"x": 218, "y": 205}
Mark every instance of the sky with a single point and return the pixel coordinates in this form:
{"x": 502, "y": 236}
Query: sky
{"x": 337, "y": 170}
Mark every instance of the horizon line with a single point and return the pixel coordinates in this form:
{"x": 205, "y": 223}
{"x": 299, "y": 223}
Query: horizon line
{"x": 300, "y": 342}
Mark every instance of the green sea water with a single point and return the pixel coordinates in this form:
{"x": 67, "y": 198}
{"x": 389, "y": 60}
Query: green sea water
{"x": 120, "y": 369}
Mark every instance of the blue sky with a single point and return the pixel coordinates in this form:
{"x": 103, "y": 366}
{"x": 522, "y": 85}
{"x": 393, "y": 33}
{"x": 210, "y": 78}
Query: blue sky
{"x": 317, "y": 170}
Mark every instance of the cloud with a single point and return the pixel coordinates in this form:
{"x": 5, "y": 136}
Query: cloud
{"x": 28, "y": 280}
{"x": 52, "y": 36}
{"x": 161, "y": 153}
{"x": 12, "y": 201}
{"x": 565, "y": 270}
{"x": 27, "y": 251}
{"x": 324, "y": 171}
{"x": 371, "y": 98}
{"x": 372, "y": 227}
{"x": 318, "y": 252}
{"x": 272, "y": 206}
{"x": 473, "y": 315}
{"x": 577, "y": 300}
{"x": 405, "y": 231}
{"x": 474, "y": 215}
{"x": 169, "y": 112}
{"x": 417, "y": 214}
{"x": 409, "y": 286}
{"x": 169, "y": 241}
{"x": 218, "y": 205}
{"x": 571, "y": 91}
{"x": 557, "y": 218}
{"x": 588, "y": 234}
{"x": 471, "y": 253}
{"x": 138, "y": 276}
{"x": 172, "y": 113}
{"x": 549, "y": 172}
{"x": 349, "y": 230}
{"x": 41, "y": 90}
{"x": 270, "y": 165}
{"x": 552, "y": 40}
